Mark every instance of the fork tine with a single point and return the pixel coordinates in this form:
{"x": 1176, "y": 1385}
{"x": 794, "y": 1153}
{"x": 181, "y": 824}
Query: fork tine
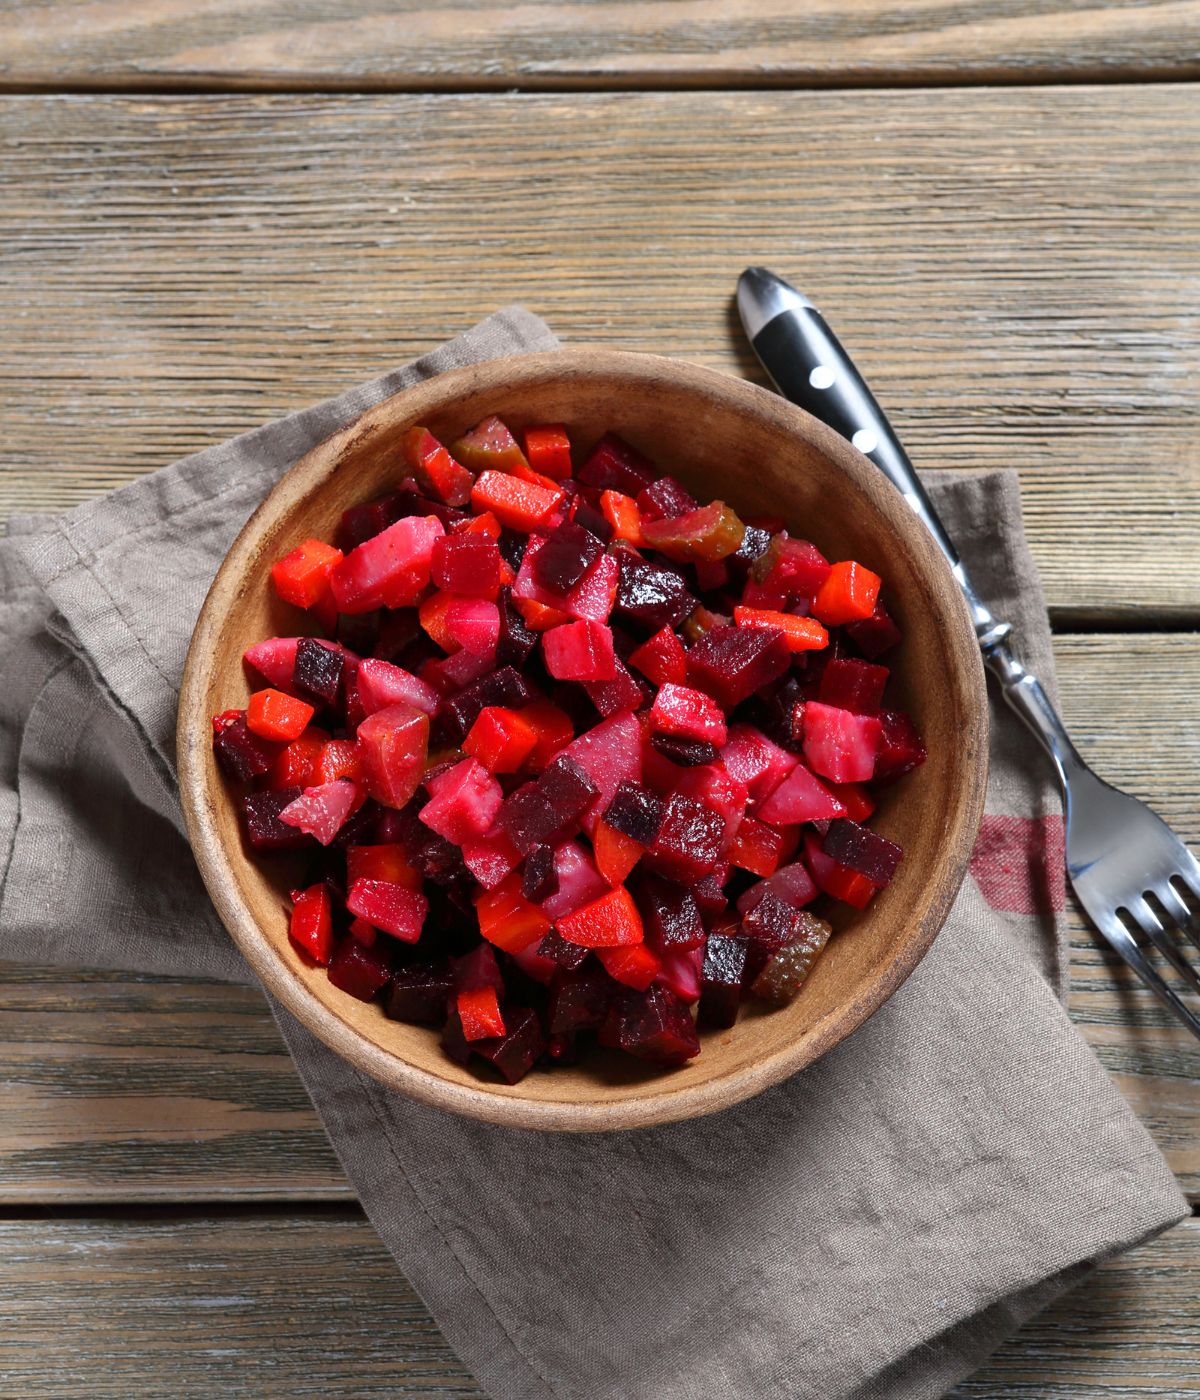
{"x": 1176, "y": 906}
{"x": 1121, "y": 940}
{"x": 1152, "y": 927}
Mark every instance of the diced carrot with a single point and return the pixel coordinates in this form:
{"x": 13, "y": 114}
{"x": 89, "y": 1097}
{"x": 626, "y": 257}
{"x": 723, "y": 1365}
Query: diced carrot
{"x": 612, "y": 921}
{"x": 485, "y": 524}
{"x": 849, "y": 594}
{"x": 383, "y": 862}
{"x": 548, "y": 450}
{"x": 799, "y": 633}
{"x": 538, "y": 617}
{"x": 501, "y": 739}
{"x": 479, "y": 1012}
{"x": 296, "y": 764}
{"x": 616, "y": 854}
{"x": 636, "y": 967}
{"x": 553, "y": 728}
{"x": 311, "y": 924}
{"x": 622, "y": 514}
{"x": 507, "y": 918}
{"x": 273, "y": 715}
{"x": 662, "y": 659}
{"x": 521, "y": 505}
{"x": 434, "y": 467}
{"x": 858, "y": 802}
{"x": 302, "y": 577}
{"x": 339, "y": 758}
{"x": 849, "y": 886}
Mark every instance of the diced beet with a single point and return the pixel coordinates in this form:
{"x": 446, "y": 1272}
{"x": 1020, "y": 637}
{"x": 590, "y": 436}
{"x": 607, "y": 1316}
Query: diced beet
{"x": 468, "y": 564}
{"x": 464, "y": 802}
{"x": 900, "y": 746}
{"x": 665, "y": 499}
{"x": 490, "y": 857}
{"x": 393, "y": 744}
{"x": 516, "y": 640}
{"x": 544, "y": 811}
{"x": 539, "y": 879}
{"x": 794, "y": 567}
{"x": 713, "y": 787}
{"x": 721, "y": 981}
{"x": 834, "y": 878}
{"x": 755, "y": 761}
{"x": 754, "y": 545}
{"x": 709, "y": 893}
{"x": 474, "y": 623}
{"x": 419, "y": 992}
{"x": 687, "y": 753}
{"x": 592, "y": 598}
{"x": 534, "y": 967}
{"x": 514, "y": 1053}
{"x": 592, "y": 520}
{"x": 686, "y": 713}
{"x": 411, "y": 500}
{"x": 359, "y": 970}
{"x": 787, "y": 969}
{"x": 242, "y": 755}
{"x": 654, "y": 1025}
{"x": 318, "y": 671}
{"x": 651, "y": 596}
{"x": 609, "y": 754}
{"x": 505, "y": 687}
{"x": 840, "y": 745}
{"x": 264, "y": 830}
{"x": 731, "y": 663}
{"x": 579, "y": 882}
{"x": 381, "y": 684}
{"x": 568, "y": 955}
{"x": 679, "y": 972}
{"x": 672, "y": 917}
{"x": 476, "y": 969}
{"x": 801, "y": 797}
{"x": 322, "y": 811}
{"x": 274, "y": 660}
{"x": 565, "y": 557}
{"x": 688, "y": 844}
{"x": 578, "y": 1001}
{"x": 876, "y": 634}
{"x": 389, "y": 570}
{"x": 771, "y": 922}
{"x": 853, "y": 685}
{"x": 861, "y": 849}
{"x": 359, "y": 633}
{"x": 623, "y": 692}
{"x": 580, "y": 651}
{"x": 454, "y": 1043}
{"x": 636, "y": 812}
{"x": 389, "y": 906}
{"x": 613, "y": 465}
{"x": 791, "y": 883}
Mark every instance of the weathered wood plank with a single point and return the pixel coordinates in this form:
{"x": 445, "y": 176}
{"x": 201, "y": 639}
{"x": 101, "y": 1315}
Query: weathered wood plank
{"x": 431, "y": 44}
{"x": 1012, "y": 269}
{"x": 123, "y": 1089}
{"x": 314, "y": 1306}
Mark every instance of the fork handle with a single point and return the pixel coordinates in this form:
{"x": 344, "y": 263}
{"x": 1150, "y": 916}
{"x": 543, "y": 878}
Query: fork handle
{"x": 808, "y": 365}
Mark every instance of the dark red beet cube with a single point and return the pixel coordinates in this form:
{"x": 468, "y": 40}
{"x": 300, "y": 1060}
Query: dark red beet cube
{"x": 568, "y": 553}
{"x": 546, "y": 811}
{"x": 665, "y": 499}
{"x": 539, "y": 879}
{"x": 241, "y": 754}
{"x": 754, "y": 545}
{"x": 555, "y": 947}
{"x": 264, "y": 830}
{"x": 688, "y": 753}
{"x": 624, "y": 692}
{"x": 771, "y": 922}
{"x": 688, "y": 844}
{"x": 318, "y": 673}
{"x": 456, "y": 1045}
{"x": 731, "y": 663}
{"x": 863, "y": 850}
{"x": 578, "y": 1001}
{"x": 359, "y": 632}
{"x": 468, "y": 564}
{"x": 651, "y": 596}
{"x": 709, "y": 893}
{"x": 591, "y": 519}
{"x": 900, "y": 746}
{"x": 516, "y": 639}
{"x": 477, "y": 969}
{"x": 654, "y": 1025}
{"x": 561, "y": 1049}
{"x": 852, "y": 685}
{"x": 506, "y": 687}
{"x": 514, "y": 1053}
{"x": 875, "y": 634}
{"x": 636, "y": 812}
{"x": 672, "y": 917}
{"x": 613, "y": 465}
{"x": 359, "y": 970}
{"x": 721, "y": 981}
{"x": 419, "y": 993}
{"x": 362, "y": 523}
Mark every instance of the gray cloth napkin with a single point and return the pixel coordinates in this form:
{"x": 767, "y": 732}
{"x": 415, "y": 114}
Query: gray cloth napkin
{"x": 872, "y": 1228}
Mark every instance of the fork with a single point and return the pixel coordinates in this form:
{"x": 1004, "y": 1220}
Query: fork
{"x": 1129, "y": 870}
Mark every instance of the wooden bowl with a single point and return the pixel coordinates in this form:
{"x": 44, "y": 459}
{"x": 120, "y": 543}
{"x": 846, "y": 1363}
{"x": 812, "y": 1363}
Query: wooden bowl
{"x": 722, "y": 437}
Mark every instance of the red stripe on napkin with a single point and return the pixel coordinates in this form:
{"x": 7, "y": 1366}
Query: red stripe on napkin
{"x": 1018, "y": 864}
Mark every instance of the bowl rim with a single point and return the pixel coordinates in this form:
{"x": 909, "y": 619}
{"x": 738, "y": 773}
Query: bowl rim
{"x": 662, "y": 1100}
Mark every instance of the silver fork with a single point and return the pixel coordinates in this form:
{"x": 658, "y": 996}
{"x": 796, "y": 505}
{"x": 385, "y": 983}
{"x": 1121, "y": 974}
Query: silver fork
{"x": 1129, "y": 870}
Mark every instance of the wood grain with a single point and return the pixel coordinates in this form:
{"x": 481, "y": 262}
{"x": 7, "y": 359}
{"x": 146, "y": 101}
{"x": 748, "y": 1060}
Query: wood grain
{"x": 313, "y": 1305}
{"x": 300, "y": 44}
{"x": 114, "y": 1088}
{"x": 1013, "y": 270}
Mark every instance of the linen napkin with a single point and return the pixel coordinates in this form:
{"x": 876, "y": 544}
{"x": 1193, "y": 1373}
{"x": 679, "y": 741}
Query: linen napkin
{"x": 872, "y": 1228}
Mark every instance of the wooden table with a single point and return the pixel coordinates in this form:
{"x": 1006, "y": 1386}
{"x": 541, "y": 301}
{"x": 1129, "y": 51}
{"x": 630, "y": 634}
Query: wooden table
{"x": 214, "y": 213}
